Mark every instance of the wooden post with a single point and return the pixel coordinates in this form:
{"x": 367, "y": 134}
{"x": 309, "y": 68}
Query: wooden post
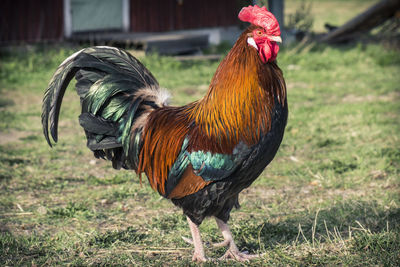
{"x": 67, "y": 19}
{"x": 125, "y": 15}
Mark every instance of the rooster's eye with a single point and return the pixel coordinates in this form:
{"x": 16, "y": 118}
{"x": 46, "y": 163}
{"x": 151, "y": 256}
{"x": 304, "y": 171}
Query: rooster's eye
{"x": 259, "y": 32}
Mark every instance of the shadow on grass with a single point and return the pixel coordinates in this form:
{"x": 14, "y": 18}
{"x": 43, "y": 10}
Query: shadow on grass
{"x": 20, "y": 250}
{"x": 128, "y": 235}
{"x": 374, "y": 231}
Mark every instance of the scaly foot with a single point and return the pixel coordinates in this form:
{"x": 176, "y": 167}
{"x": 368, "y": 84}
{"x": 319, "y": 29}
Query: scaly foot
{"x": 198, "y": 255}
{"x": 232, "y": 252}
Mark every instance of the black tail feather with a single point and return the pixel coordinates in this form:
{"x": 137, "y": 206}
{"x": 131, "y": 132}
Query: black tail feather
{"x": 107, "y": 80}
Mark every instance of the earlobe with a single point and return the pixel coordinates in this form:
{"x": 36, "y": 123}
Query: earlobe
{"x": 251, "y": 42}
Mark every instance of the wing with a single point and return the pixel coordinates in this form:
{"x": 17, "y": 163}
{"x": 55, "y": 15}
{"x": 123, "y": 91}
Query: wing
{"x": 193, "y": 170}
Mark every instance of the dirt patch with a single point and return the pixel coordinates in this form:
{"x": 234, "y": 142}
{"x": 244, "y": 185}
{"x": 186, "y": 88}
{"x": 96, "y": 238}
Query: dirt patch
{"x": 297, "y": 85}
{"x": 11, "y": 136}
{"x": 371, "y": 98}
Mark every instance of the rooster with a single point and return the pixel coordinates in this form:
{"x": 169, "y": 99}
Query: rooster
{"x": 201, "y": 155}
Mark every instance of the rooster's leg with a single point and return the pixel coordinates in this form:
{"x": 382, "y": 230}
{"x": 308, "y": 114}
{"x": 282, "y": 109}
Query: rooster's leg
{"x": 198, "y": 254}
{"x": 233, "y": 251}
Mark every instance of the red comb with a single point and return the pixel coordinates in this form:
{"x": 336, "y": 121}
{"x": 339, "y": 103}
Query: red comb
{"x": 260, "y": 16}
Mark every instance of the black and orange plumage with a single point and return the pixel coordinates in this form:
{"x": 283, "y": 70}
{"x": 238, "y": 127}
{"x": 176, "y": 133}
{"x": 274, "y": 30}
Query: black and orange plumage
{"x": 202, "y": 155}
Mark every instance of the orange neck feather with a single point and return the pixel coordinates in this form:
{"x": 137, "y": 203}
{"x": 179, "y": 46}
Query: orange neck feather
{"x": 240, "y": 99}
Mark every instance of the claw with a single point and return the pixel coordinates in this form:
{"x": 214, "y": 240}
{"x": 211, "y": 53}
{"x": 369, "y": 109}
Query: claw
{"x": 233, "y": 251}
{"x": 199, "y": 258}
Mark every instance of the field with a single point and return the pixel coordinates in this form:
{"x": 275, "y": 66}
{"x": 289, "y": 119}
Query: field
{"x": 330, "y": 197}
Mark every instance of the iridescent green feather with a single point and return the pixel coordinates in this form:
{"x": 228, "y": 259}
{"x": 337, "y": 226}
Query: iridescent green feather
{"x": 134, "y": 148}
{"x": 125, "y": 127}
{"x": 210, "y": 166}
{"x": 116, "y": 108}
{"x": 216, "y": 166}
{"x": 103, "y": 90}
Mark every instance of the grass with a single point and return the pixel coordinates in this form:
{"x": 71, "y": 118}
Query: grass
{"x": 330, "y": 197}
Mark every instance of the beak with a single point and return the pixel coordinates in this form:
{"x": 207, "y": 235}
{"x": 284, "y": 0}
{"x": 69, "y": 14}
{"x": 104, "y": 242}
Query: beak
{"x": 250, "y": 35}
{"x": 277, "y": 39}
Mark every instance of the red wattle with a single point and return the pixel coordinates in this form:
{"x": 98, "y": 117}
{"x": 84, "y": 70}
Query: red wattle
{"x": 275, "y": 49}
{"x": 265, "y": 53}
{"x": 268, "y": 51}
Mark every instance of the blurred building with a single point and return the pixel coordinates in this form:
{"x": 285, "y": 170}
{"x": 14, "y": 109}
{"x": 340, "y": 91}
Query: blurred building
{"x": 57, "y": 20}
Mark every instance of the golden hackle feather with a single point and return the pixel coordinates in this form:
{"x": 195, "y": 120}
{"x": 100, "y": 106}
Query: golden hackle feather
{"x": 238, "y": 104}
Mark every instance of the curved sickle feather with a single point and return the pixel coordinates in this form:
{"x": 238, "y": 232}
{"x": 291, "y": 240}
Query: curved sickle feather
{"x": 105, "y": 59}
